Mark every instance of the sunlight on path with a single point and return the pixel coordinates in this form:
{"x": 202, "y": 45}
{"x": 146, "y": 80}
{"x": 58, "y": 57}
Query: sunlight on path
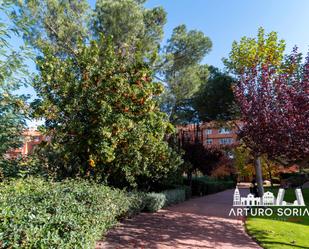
{"x": 197, "y": 223}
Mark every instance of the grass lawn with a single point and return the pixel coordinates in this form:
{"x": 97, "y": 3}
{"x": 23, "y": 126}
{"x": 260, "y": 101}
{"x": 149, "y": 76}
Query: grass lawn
{"x": 281, "y": 232}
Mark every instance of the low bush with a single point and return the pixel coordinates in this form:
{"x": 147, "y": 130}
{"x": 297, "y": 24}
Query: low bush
{"x": 35, "y": 213}
{"x": 137, "y": 203}
{"x": 154, "y": 201}
{"x": 288, "y": 175}
{"x": 21, "y": 167}
{"x": 204, "y": 186}
{"x": 296, "y": 181}
{"x": 71, "y": 214}
{"x": 174, "y": 196}
{"x": 188, "y": 191}
{"x": 293, "y": 180}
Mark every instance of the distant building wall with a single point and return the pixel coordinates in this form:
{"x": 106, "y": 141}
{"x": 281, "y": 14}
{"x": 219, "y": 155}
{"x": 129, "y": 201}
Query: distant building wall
{"x": 210, "y": 134}
{"x": 31, "y": 138}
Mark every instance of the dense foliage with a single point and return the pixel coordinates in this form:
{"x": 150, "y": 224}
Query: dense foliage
{"x": 275, "y": 108}
{"x": 215, "y": 99}
{"x": 13, "y": 75}
{"x": 182, "y": 72}
{"x": 68, "y": 214}
{"x": 208, "y": 160}
{"x": 203, "y": 185}
{"x": 272, "y": 93}
{"x": 61, "y": 30}
{"x": 102, "y": 116}
{"x": 131, "y": 26}
{"x": 155, "y": 201}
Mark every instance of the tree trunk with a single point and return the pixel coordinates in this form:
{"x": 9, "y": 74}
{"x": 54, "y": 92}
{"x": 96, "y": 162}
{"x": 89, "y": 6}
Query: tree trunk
{"x": 259, "y": 176}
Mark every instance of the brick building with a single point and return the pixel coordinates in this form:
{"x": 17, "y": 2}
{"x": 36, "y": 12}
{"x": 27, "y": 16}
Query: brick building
{"x": 214, "y": 134}
{"x": 210, "y": 134}
{"x": 31, "y": 137}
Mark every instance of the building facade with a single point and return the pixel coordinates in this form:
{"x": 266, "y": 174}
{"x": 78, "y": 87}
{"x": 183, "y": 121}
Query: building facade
{"x": 31, "y": 138}
{"x": 210, "y": 134}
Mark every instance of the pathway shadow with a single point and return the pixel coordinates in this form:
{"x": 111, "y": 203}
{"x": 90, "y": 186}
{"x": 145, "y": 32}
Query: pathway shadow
{"x": 214, "y": 205}
{"x": 187, "y": 225}
{"x": 167, "y": 229}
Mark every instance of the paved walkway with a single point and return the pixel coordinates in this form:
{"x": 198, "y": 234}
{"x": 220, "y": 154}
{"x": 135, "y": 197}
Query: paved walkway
{"x": 197, "y": 223}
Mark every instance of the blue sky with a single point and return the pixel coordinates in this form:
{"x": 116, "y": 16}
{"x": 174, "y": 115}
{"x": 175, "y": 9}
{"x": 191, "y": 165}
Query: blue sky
{"x": 227, "y": 20}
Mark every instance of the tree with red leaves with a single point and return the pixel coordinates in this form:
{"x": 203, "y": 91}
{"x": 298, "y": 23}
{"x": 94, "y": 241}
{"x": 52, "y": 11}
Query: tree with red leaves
{"x": 273, "y": 96}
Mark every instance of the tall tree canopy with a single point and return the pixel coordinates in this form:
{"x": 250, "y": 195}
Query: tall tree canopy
{"x": 133, "y": 28}
{"x": 215, "y": 99}
{"x": 102, "y": 117}
{"x": 70, "y": 68}
{"x": 58, "y": 24}
{"x": 272, "y": 93}
{"x": 250, "y": 52}
{"x": 130, "y": 24}
{"x": 275, "y": 110}
{"x": 182, "y": 71}
{"x": 13, "y": 75}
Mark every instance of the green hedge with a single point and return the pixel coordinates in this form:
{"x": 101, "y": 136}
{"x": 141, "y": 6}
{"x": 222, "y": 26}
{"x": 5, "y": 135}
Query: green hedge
{"x": 204, "y": 186}
{"x": 70, "y": 214}
{"x": 156, "y": 201}
{"x": 188, "y": 191}
{"x": 35, "y": 213}
{"x": 174, "y": 196}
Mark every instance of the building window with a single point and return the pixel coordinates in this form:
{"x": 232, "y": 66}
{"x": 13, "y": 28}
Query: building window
{"x": 224, "y": 131}
{"x": 209, "y": 141}
{"x": 209, "y": 131}
{"x": 226, "y": 140}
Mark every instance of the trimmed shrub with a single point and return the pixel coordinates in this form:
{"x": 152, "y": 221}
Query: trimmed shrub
{"x": 296, "y": 181}
{"x": 137, "y": 203}
{"x": 293, "y": 180}
{"x": 71, "y": 214}
{"x": 154, "y": 201}
{"x": 288, "y": 175}
{"x": 204, "y": 186}
{"x": 188, "y": 191}
{"x": 174, "y": 196}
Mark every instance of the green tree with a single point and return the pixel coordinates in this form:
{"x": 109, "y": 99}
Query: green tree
{"x": 215, "y": 99}
{"x": 244, "y": 164}
{"x": 250, "y": 53}
{"x": 133, "y": 28}
{"x": 181, "y": 70}
{"x": 102, "y": 116}
{"x": 130, "y": 24}
{"x": 59, "y": 24}
{"x": 13, "y": 75}
{"x": 178, "y": 65}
